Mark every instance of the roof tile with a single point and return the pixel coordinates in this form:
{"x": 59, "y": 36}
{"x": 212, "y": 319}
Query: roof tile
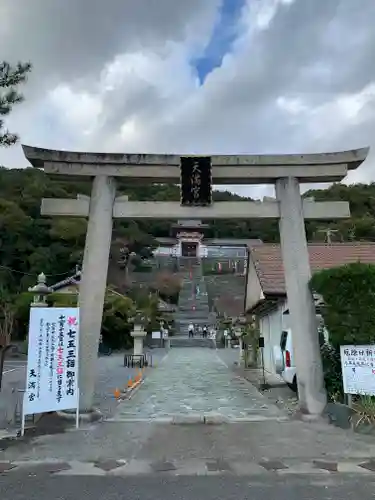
{"x": 268, "y": 261}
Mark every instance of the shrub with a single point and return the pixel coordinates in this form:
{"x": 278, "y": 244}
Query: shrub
{"x": 349, "y": 302}
{"x": 332, "y": 372}
{"x": 348, "y": 313}
{"x": 116, "y": 327}
{"x": 364, "y": 411}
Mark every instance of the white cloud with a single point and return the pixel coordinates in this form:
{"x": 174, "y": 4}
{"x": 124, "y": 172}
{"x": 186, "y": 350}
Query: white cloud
{"x": 258, "y": 14}
{"x": 79, "y": 110}
{"x": 298, "y": 78}
{"x": 332, "y": 118}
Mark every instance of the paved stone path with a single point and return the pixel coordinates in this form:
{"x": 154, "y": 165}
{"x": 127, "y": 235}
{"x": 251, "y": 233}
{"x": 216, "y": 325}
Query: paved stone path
{"x": 194, "y": 383}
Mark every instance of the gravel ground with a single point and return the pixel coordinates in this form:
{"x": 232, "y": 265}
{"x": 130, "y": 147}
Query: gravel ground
{"x": 110, "y": 373}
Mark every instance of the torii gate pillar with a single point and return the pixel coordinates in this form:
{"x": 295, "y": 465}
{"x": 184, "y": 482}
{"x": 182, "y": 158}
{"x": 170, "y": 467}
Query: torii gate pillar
{"x": 311, "y": 392}
{"x": 94, "y": 279}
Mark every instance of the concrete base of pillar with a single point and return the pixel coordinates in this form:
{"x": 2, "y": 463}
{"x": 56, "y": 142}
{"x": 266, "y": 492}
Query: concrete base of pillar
{"x": 313, "y": 418}
{"x": 88, "y": 416}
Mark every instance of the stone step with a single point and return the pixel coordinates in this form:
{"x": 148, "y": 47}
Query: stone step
{"x": 197, "y": 309}
{"x": 183, "y": 341}
{"x": 191, "y": 301}
{"x": 189, "y": 310}
{"x": 193, "y": 318}
{"x": 188, "y": 304}
{"x": 189, "y": 297}
{"x": 191, "y": 306}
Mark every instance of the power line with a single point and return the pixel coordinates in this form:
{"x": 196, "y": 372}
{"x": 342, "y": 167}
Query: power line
{"x": 6, "y": 268}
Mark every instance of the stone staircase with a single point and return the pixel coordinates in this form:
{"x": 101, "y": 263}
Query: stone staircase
{"x": 192, "y": 306}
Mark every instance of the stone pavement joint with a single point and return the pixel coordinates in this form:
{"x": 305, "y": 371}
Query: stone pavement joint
{"x": 192, "y": 467}
{"x": 190, "y": 419}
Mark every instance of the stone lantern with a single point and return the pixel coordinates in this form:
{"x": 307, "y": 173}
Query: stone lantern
{"x": 238, "y": 334}
{"x": 162, "y": 327}
{"x": 40, "y": 291}
{"x": 139, "y": 333}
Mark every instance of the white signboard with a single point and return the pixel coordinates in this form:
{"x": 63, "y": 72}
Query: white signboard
{"x": 156, "y": 335}
{"x": 358, "y": 369}
{"x": 52, "y": 362}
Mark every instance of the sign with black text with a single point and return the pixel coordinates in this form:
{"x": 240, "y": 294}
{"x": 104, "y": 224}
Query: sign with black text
{"x": 358, "y": 369}
{"x": 52, "y": 360}
{"x": 196, "y": 181}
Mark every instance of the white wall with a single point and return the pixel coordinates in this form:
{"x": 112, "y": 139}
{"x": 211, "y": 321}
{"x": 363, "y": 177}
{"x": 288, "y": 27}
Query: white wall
{"x": 163, "y": 251}
{"x": 254, "y": 291}
{"x": 203, "y": 250}
{"x": 271, "y": 327}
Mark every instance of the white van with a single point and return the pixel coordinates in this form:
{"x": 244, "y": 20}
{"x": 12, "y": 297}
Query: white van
{"x": 284, "y": 359}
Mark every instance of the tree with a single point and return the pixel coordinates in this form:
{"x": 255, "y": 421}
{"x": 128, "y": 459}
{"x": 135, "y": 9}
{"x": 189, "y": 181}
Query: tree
{"x": 10, "y": 78}
{"x": 116, "y": 326}
{"x": 14, "y": 243}
{"x": 31, "y": 243}
{"x": 167, "y": 285}
{"x": 7, "y": 316}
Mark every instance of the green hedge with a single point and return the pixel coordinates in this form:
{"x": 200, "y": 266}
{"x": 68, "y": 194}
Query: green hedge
{"x": 348, "y": 313}
{"x": 349, "y": 298}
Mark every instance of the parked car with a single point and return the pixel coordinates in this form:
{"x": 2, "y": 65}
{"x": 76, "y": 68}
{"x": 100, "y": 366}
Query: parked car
{"x": 284, "y": 359}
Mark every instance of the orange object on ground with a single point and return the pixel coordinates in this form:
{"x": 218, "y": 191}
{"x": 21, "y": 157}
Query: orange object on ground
{"x": 117, "y": 393}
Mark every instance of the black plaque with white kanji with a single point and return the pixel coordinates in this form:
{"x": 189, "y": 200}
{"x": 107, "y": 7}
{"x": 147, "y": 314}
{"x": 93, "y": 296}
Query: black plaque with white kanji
{"x": 196, "y": 181}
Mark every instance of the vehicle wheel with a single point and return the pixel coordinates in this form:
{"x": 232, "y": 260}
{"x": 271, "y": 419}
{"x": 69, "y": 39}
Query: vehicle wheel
{"x": 294, "y": 385}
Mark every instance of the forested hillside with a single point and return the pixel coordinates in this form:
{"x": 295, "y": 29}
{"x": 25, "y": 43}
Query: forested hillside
{"x": 30, "y": 243}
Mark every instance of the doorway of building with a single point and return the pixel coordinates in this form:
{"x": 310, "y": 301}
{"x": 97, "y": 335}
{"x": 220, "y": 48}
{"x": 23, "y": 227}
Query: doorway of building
{"x": 189, "y": 249}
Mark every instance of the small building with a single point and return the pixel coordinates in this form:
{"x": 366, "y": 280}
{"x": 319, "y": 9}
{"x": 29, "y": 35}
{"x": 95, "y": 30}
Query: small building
{"x": 265, "y": 287}
{"x": 71, "y": 285}
{"x": 68, "y": 285}
{"x": 188, "y": 238}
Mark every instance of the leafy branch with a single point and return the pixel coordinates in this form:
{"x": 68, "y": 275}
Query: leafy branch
{"x": 10, "y": 77}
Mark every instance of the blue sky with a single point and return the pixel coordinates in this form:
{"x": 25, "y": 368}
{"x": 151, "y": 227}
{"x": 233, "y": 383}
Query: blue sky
{"x": 222, "y": 38}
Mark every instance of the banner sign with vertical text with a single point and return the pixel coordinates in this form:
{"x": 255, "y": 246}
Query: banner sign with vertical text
{"x": 196, "y": 181}
{"x": 52, "y": 361}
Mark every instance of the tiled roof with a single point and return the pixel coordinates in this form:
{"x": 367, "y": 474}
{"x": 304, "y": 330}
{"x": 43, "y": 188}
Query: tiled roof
{"x": 71, "y": 280}
{"x": 268, "y": 262}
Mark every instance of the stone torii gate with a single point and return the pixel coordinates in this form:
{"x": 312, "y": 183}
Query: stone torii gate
{"x": 286, "y": 172}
